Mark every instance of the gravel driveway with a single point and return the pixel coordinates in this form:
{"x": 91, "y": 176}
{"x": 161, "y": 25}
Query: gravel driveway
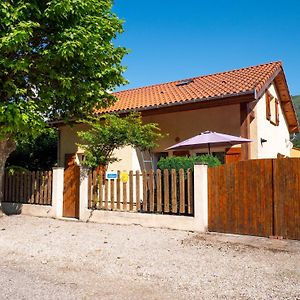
{"x": 52, "y": 259}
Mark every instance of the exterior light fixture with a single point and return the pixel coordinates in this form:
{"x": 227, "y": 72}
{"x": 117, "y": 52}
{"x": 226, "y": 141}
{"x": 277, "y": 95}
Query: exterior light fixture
{"x": 263, "y": 141}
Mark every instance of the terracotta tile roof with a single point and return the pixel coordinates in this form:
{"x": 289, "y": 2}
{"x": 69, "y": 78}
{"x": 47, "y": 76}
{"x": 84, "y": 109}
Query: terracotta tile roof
{"x": 218, "y": 85}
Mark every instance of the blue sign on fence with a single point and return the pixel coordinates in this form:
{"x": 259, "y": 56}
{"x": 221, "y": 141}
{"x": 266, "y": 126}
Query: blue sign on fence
{"x": 111, "y": 175}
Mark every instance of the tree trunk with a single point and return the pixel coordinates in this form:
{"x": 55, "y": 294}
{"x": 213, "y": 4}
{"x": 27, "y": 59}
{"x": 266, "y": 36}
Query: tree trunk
{"x": 7, "y": 146}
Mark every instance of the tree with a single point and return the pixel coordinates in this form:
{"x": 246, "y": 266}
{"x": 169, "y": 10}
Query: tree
{"x": 114, "y": 132}
{"x": 57, "y": 61}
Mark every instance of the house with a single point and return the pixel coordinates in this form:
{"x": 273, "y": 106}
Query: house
{"x": 252, "y": 102}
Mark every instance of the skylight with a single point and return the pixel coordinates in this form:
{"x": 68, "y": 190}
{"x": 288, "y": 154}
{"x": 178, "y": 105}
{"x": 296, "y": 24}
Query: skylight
{"x": 184, "y": 82}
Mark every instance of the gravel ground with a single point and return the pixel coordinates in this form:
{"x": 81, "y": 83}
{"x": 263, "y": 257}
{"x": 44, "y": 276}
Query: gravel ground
{"x": 53, "y": 259}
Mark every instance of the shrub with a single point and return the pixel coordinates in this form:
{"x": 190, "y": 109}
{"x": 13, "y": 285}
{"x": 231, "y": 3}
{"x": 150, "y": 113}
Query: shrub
{"x": 184, "y": 162}
{"x": 11, "y": 170}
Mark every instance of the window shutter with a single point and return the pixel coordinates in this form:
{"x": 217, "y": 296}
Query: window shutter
{"x": 277, "y": 111}
{"x": 268, "y": 110}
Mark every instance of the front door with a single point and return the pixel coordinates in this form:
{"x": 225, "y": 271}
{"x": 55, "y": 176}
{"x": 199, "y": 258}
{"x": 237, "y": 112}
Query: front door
{"x": 71, "y": 187}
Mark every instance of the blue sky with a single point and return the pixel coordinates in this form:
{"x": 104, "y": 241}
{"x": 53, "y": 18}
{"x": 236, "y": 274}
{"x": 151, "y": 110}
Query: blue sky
{"x": 177, "y": 39}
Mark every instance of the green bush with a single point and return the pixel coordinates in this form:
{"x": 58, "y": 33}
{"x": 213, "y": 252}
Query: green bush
{"x": 184, "y": 162}
{"x": 11, "y": 170}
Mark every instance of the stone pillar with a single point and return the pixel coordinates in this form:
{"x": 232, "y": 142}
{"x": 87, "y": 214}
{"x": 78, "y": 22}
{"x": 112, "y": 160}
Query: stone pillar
{"x": 83, "y": 193}
{"x": 201, "y": 196}
{"x": 58, "y": 191}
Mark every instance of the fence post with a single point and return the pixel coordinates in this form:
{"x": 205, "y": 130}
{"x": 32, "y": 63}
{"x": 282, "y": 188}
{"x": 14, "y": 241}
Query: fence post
{"x": 201, "y": 196}
{"x": 58, "y": 191}
{"x": 83, "y": 192}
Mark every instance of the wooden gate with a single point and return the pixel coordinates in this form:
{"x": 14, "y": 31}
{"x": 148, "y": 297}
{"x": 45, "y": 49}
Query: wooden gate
{"x": 287, "y": 197}
{"x": 71, "y": 188}
{"x": 256, "y": 197}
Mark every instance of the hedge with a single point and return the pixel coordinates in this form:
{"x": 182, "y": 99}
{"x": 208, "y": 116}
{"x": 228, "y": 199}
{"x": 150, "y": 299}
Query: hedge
{"x": 184, "y": 162}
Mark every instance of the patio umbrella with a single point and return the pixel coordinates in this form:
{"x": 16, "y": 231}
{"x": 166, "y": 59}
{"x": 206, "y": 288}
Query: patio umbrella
{"x": 208, "y": 139}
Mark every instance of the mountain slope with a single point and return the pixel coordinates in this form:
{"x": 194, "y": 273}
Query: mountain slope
{"x": 296, "y": 100}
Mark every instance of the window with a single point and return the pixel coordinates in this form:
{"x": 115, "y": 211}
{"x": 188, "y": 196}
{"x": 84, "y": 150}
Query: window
{"x": 272, "y": 109}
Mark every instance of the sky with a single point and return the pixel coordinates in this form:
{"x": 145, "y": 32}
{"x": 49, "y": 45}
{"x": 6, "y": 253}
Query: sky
{"x": 176, "y": 39}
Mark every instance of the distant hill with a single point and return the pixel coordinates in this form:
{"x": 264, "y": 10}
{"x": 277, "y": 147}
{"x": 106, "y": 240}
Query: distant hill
{"x": 296, "y": 100}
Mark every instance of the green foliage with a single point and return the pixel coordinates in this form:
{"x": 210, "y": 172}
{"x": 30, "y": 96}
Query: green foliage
{"x": 11, "y": 170}
{"x": 57, "y": 61}
{"x": 114, "y": 132}
{"x": 184, "y": 162}
{"x": 296, "y": 100}
{"x": 39, "y": 153}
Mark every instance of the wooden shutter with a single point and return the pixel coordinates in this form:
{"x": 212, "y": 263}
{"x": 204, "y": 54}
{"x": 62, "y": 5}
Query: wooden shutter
{"x": 277, "y": 111}
{"x": 268, "y": 109}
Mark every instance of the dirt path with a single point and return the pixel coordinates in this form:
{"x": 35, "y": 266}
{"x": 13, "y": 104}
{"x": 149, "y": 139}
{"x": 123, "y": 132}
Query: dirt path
{"x": 51, "y": 259}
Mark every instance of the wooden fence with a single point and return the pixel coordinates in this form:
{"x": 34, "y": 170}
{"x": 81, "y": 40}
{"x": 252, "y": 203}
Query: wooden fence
{"x": 256, "y": 197}
{"x": 286, "y": 182}
{"x": 148, "y": 192}
{"x": 28, "y": 188}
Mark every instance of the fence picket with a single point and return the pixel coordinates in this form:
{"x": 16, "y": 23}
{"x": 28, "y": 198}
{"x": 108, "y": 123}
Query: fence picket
{"x": 124, "y": 196}
{"x": 21, "y": 183}
{"x": 32, "y": 190}
{"x": 119, "y": 191}
{"x": 44, "y": 189}
{"x": 13, "y": 186}
{"x": 145, "y": 191}
{"x": 151, "y": 190}
{"x": 90, "y": 186}
{"x": 40, "y": 187}
{"x": 17, "y": 188}
{"x": 112, "y": 194}
{"x": 5, "y": 190}
{"x": 181, "y": 192}
{"x": 94, "y": 190}
{"x": 9, "y": 188}
{"x": 174, "y": 190}
{"x": 137, "y": 188}
{"x": 25, "y": 185}
{"x": 105, "y": 192}
{"x": 49, "y": 194}
{"x": 37, "y": 187}
{"x": 100, "y": 189}
{"x": 158, "y": 190}
{"x": 166, "y": 192}
{"x": 130, "y": 190}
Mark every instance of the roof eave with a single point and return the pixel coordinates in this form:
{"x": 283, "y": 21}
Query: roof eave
{"x": 185, "y": 102}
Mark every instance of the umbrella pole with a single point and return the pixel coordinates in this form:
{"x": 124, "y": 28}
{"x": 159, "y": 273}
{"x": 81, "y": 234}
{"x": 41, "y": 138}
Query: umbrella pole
{"x": 208, "y": 148}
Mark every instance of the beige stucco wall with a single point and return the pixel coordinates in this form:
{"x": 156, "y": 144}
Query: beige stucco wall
{"x": 182, "y": 125}
{"x": 295, "y": 152}
{"x": 69, "y": 139}
{"x": 278, "y": 137}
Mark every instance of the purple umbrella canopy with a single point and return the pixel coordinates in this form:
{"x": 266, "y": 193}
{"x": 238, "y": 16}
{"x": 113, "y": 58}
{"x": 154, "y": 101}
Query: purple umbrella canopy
{"x": 208, "y": 139}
